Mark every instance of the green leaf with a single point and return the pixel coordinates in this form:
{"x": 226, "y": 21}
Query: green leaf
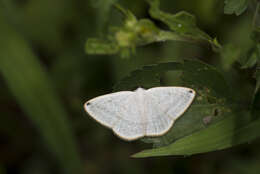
{"x": 29, "y": 83}
{"x": 234, "y": 130}
{"x": 211, "y": 123}
{"x": 235, "y": 6}
{"x": 208, "y": 107}
{"x": 200, "y": 115}
{"x": 195, "y": 73}
{"x": 183, "y": 23}
{"x": 201, "y": 75}
{"x": 133, "y": 33}
{"x": 251, "y": 61}
{"x": 251, "y": 58}
{"x": 147, "y": 77}
{"x": 98, "y": 46}
{"x": 126, "y": 38}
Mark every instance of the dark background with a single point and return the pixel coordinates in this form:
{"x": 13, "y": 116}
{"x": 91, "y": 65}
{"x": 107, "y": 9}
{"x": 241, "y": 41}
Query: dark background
{"x": 55, "y": 31}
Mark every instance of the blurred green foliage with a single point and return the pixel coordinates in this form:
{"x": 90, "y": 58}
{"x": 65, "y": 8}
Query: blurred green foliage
{"x": 33, "y": 91}
{"x": 142, "y": 32}
{"x": 46, "y": 76}
{"x": 235, "y": 6}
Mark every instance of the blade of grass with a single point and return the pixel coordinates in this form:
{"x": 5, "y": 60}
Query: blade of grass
{"x": 28, "y": 82}
{"x": 229, "y": 132}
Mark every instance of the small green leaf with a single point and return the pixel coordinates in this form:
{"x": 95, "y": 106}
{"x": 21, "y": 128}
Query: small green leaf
{"x": 252, "y": 57}
{"x": 183, "y": 23}
{"x": 98, "y": 46}
{"x": 251, "y": 61}
{"x": 133, "y": 33}
{"x": 235, "y": 6}
{"x": 125, "y": 39}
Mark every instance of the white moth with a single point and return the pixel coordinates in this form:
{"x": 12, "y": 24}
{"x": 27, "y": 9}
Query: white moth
{"x": 135, "y": 114}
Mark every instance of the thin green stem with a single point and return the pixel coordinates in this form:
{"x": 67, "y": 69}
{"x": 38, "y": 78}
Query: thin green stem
{"x": 256, "y": 14}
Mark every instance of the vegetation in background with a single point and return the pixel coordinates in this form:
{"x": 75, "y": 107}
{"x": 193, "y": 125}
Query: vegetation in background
{"x": 55, "y": 55}
{"x": 214, "y": 94}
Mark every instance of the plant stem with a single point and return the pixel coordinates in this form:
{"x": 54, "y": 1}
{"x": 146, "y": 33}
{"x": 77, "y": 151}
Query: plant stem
{"x": 255, "y": 15}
